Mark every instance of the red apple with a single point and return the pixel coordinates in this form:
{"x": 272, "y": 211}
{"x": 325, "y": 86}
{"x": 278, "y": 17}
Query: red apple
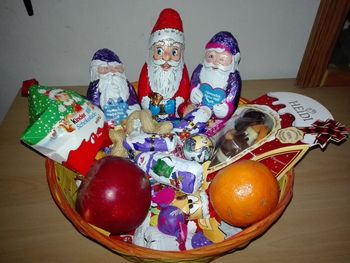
{"x": 115, "y": 195}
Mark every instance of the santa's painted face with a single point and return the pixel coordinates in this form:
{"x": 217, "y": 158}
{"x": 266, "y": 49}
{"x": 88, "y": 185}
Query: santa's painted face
{"x": 217, "y": 66}
{"x": 110, "y": 68}
{"x": 165, "y": 67}
{"x": 216, "y": 58}
{"x": 167, "y": 55}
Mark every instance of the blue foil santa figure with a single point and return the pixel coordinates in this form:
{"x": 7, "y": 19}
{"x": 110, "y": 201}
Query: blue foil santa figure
{"x": 109, "y": 88}
{"x": 216, "y": 83}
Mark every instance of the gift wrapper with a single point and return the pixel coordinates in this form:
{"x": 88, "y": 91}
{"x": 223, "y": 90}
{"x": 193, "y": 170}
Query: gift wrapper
{"x": 171, "y": 221}
{"x": 152, "y": 237}
{"x": 195, "y": 121}
{"x": 146, "y": 142}
{"x": 194, "y": 206}
{"x": 65, "y": 127}
{"x": 185, "y": 176}
{"x": 155, "y": 239}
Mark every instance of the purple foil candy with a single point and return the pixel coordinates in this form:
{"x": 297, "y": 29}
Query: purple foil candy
{"x": 188, "y": 180}
{"x": 144, "y": 142}
{"x": 195, "y": 121}
{"x": 199, "y": 240}
{"x": 170, "y": 220}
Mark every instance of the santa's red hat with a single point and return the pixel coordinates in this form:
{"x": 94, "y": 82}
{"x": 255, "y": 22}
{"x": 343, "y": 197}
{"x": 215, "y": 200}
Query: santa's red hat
{"x": 167, "y": 27}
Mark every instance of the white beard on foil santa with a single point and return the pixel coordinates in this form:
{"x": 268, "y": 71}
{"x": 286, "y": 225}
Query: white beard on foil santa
{"x": 111, "y": 85}
{"x": 166, "y": 83}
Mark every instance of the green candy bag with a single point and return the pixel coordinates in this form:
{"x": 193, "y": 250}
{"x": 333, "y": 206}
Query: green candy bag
{"x": 65, "y": 127}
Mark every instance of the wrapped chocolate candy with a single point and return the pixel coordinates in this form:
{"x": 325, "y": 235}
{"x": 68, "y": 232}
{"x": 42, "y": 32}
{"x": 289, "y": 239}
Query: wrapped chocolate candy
{"x": 185, "y": 176}
{"x": 194, "y": 206}
{"x": 197, "y": 210}
{"x": 150, "y": 142}
{"x": 194, "y": 122}
{"x": 171, "y": 221}
{"x": 65, "y": 127}
{"x": 150, "y": 236}
{"x": 198, "y": 147}
{"x": 199, "y": 240}
{"x": 153, "y": 238}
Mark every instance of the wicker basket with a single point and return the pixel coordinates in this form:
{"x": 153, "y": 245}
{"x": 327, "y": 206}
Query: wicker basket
{"x": 63, "y": 189}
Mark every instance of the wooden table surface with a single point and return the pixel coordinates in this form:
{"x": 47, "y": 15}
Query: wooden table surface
{"x": 315, "y": 227}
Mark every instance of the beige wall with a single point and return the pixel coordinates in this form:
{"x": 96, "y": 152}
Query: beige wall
{"x": 55, "y": 45}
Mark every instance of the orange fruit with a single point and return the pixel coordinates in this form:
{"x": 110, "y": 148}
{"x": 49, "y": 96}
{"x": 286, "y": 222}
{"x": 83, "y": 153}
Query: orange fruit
{"x": 244, "y": 193}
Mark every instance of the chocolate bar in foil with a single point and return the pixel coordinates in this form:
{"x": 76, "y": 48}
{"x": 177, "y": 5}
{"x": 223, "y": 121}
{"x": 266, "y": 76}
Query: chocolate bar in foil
{"x": 183, "y": 175}
{"x": 151, "y": 142}
{"x": 195, "y": 121}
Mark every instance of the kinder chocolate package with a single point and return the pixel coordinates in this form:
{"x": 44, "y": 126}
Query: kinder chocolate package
{"x": 65, "y": 127}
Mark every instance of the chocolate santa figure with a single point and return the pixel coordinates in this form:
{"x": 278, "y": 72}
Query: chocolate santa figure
{"x": 216, "y": 82}
{"x": 109, "y": 88}
{"x": 164, "y": 82}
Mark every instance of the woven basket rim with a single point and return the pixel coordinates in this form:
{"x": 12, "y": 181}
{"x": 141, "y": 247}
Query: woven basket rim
{"x": 130, "y": 250}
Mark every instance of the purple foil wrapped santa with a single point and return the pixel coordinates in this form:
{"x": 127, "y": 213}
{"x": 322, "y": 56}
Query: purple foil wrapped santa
{"x": 109, "y": 88}
{"x": 216, "y": 82}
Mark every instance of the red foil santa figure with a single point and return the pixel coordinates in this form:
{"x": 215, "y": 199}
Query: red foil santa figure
{"x": 164, "y": 82}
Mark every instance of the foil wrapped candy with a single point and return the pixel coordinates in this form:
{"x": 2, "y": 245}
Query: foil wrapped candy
{"x": 178, "y": 236}
{"x": 185, "y": 176}
{"x": 146, "y": 142}
{"x": 194, "y": 122}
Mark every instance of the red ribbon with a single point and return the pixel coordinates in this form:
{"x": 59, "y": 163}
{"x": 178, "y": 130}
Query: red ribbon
{"x": 329, "y": 130}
